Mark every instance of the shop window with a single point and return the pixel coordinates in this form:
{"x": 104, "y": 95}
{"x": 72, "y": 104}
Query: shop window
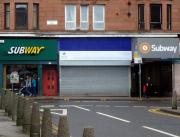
{"x": 21, "y": 16}
{"x": 23, "y": 71}
{"x": 7, "y": 15}
{"x": 98, "y": 17}
{"x": 84, "y": 17}
{"x": 168, "y": 17}
{"x": 70, "y": 17}
{"x": 156, "y": 16}
{"x": 141, "y": 16}
{"x": 35, "y": 16}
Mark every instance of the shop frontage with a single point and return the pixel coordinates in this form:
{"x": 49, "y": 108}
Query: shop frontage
{"x": 32, "y": 60}
{"x": 95, "y": 66}
{"x": 155, "y": 57}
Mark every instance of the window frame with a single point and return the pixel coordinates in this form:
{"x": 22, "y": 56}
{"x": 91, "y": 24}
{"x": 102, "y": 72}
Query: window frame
{"x": 87, "y": 21}
{"x": 5, "y": 15}
{"x": 66, "y": 28}
{"x": 37, "y": 16}
{"x": 169, "y": 17}
{"x": 99, "y": 21}
{"x": 24, "y": 27}
{"x": 151, "y": 23}
{"x": 139, "y": 17}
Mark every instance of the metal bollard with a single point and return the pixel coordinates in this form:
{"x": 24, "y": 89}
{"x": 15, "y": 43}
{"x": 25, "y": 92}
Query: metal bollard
{"x": 27, "y": 115}
{"x": 46, "y": 130}
{"x": 20, "y": 107}
{"x": 174, "y": 100}
{"x": 14, "y": 105}
{"x": 88, "y": 132}
{"x": 6, "y": 100}
{"x": 35, "y": 121}
{"x": 0, "y": 99}
{"x": 3, "y": 99}
{"x": 63, "y": 128}
{"x": 10, "y": 102}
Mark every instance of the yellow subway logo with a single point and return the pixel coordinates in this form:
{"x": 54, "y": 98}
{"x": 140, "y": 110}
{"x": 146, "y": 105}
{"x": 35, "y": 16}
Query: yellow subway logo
{"x": 26, "y": 50}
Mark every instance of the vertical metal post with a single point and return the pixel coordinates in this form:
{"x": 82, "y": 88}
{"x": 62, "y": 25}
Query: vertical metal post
{"x": 40, "y": 79}
{"x": 1, "y": 76}
{"x": 173, "y": 77}
{"x": 140, "y": 96}
{"x": 12, "y": 87}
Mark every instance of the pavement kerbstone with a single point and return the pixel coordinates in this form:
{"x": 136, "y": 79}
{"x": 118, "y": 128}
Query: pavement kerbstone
{"x": 104, "y": 98}
{"x": 171, "y": 111}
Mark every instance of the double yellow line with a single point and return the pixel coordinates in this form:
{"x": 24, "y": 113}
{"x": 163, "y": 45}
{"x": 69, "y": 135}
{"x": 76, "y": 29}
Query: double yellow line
{"x": 157, "y": 111}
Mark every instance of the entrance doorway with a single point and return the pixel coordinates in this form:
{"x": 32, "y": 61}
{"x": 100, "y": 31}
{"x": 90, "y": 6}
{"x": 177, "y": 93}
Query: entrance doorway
{"x": 161, "y": 78}
{"x": 49, "y": 81}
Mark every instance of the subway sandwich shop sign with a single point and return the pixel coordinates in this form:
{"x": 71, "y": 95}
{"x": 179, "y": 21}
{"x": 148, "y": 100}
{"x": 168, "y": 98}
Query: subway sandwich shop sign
{"x": 28, "y": 49}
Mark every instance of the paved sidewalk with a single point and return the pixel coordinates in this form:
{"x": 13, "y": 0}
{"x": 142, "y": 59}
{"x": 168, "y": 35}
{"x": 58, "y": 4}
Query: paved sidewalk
{"x": 8, "y": 127}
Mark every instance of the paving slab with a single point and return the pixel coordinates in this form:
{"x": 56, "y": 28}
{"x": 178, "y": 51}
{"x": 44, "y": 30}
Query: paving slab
{"x": 8, "y": 127}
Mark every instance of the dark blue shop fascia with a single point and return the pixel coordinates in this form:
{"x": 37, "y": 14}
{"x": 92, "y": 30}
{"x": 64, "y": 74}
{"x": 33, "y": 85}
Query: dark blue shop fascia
{"x": 95, "y": 44}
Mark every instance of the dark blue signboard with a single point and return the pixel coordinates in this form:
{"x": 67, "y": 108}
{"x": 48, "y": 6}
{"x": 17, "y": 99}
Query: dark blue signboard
{"x": 95, "y": 44}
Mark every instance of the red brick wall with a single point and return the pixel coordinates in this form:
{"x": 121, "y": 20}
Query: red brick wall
{"x": 116, "y": 18}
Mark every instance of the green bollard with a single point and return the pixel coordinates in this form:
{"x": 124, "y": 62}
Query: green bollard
{"x": 46, "y": 130}
{"x": 88, "y": 132}
{"x": 35, "y": 121}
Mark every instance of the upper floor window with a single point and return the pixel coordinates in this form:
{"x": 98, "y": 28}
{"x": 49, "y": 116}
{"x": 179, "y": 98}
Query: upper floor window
{"x": 21, "y": 16}
{"x": 156, "y": 16}
{"x": 98, "y": 17}
{"x": 35, "y": 16}
{"x": 141, "y": 16}
{"x": 84, "y": 17}
{"x": 70, "y": 17}
{"x": 7, "y": 16}
{"x": 168, "y": 17}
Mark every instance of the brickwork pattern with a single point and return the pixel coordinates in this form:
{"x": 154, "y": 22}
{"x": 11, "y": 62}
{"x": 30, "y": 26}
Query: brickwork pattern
{"x": 116, "y": 14}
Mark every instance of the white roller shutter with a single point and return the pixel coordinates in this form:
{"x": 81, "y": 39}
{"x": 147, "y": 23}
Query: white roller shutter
{"x": 95, "y": 81}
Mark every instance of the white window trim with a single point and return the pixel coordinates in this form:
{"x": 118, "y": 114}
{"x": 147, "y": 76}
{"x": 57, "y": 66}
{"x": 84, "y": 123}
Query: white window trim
{"x": 99, "y": 21}
{"x": 70, "y": 21}
{"x": 87, "y": 18}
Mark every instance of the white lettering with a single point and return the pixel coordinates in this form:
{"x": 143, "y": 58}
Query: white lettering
{"x": 21, "y": 51}
{"x": 153, "y": 48}
{"x": 11, "y": 50}
{"x": 161, "y": 48}
{"x": 16, "y": 50}
{"x": 175, "y": 49}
